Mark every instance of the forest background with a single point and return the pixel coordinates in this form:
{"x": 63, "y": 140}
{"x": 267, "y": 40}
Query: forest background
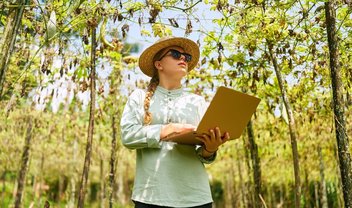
{"x": 67, "y": 67}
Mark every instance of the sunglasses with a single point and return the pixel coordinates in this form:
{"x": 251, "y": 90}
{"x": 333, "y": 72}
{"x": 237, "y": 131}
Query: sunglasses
{"x": 177, "y": 55}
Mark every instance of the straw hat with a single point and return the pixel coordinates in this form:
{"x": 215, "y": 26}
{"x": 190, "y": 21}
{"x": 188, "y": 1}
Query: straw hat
{"x": 146, "y": 59}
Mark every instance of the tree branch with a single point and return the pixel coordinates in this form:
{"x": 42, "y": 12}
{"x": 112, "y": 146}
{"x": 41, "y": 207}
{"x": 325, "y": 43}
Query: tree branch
{"x": 184, "y": 9}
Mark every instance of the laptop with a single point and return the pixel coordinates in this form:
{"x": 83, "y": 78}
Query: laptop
{"x": 230, "y": 110}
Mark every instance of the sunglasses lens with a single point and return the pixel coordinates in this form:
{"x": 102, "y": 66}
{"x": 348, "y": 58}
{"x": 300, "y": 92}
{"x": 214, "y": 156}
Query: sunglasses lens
{"x": 177, "y": 55}
{"x": 188, "y": 57}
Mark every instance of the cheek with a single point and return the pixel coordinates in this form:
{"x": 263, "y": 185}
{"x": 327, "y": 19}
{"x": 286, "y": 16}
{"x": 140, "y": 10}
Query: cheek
{"x": 169, "y": 64}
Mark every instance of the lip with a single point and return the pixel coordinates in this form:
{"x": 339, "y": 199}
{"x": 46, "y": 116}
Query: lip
{"x": 182, "y": 64}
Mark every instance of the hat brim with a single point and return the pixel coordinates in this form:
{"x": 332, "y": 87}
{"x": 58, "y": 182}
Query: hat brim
{"x": 146, "y": 58}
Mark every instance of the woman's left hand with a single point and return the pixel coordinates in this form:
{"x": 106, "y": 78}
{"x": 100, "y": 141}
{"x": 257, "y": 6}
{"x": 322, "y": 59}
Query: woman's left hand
{"x": 213, "y": 140}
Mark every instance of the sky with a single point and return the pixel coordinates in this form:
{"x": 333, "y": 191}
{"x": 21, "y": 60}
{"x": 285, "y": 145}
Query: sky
{"x": 63, "y": 87}
{"x": 202, "y": 12}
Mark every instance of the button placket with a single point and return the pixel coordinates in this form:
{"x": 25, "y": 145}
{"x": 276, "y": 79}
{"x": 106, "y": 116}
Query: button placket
{"x": 169, "y": 99}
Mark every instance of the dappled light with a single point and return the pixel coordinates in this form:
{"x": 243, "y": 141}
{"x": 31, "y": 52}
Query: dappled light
{"x": 69, "y": 70}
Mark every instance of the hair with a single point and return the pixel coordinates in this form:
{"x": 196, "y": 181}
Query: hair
{"x": 154, "y": 82}
{"x": 150, "y": 92}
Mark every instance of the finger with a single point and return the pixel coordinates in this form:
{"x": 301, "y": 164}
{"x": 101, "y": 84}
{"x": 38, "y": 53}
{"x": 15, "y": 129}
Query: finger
{"x": 217, "y": 134}
{"x": 206, "y": 138}
{"x": 226, "y": 137}
{"x": 212, "y": 134}
{"x": 226, "y": 134}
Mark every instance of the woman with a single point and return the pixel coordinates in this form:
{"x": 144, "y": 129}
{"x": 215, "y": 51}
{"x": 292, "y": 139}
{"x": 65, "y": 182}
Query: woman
{"x": 168, "y": 174}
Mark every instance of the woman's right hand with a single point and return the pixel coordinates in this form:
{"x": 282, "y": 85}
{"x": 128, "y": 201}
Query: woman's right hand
{"x": 175, "y": 128}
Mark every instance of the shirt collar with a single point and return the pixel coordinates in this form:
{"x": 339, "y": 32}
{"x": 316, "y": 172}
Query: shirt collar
{"x": 164, "y": 91}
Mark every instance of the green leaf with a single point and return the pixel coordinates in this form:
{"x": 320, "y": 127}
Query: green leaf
{"x": 3, "y": 20}
{"x": 145, "y": 32}
{"x": 347, "y": 23}
{"x": 239, "y": 57}
{"x": 342, "y": 13}
{"x": 302, "y": 49}
{"x": 27, "y": 23}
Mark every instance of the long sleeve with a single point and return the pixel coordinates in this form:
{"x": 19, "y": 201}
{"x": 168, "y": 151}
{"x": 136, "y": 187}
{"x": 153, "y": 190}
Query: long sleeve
{"x": 134, "y": 134}
{"x": 166, "y": 172}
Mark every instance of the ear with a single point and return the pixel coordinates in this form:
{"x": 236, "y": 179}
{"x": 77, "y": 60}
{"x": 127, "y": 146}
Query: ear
{"x": 158, "y": 65}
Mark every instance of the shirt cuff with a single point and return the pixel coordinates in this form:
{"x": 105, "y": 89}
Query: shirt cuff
{"x": 153, "y": 136}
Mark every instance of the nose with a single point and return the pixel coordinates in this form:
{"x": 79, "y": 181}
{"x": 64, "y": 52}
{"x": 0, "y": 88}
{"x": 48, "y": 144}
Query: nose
{"x": 183, "y": 57}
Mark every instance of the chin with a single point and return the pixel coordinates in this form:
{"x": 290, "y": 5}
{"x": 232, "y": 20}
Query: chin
{"x": 185, "y": 70}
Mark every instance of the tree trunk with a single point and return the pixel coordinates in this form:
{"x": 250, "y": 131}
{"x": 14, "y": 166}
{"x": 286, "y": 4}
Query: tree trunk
{"x": 12, "y": 100}
{"x": 270, "y": 199}
{"x": 84, "y": 179}
{"x": 24, "y": 165}
{"x": 102, "y": 180}
{"x": 60, "y": 190}
{"x": 249, "y": 189}
{"x": 3, "y": 178}
{"x": 13, "y": 23}
{"x": 324, "y": 199}
{"x": 37, "y": 184}
{"x": 112, "y": 163}
{"x": 255, "y": 164}
{"x": 241, "y": 182}
{"x": 102, "y": 185}
{"x": 292, "y": 127}
{"x": 305, "y": 188}
{"x": 230, "y": 188}
{"x": 337, "y": 92}
{"x": 71, "y": 202}
{"x": 120, "y": 174}
{"x": 338, "y": 178}
{"x": 316, "y": 193}
{"x": 282, "y": 195}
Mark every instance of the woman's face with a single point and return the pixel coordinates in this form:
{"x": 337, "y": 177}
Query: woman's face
{"x": 171, "y": 66}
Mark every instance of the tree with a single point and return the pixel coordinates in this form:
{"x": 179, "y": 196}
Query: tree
{"x": 24, "y": 164}
{"x": 338, "y": 104}
{"x": 10, "y": 34}
{"x": 112, "y": 161}
{"x": 255, "y": 164}
{"x": 324, "y": 200}
{"x": 93, "y": 24}
{"x": 292, "y": 127}
{"x": 55, "y": 69}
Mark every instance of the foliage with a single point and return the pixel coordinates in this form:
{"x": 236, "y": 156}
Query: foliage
{"x": 49, "y": 75}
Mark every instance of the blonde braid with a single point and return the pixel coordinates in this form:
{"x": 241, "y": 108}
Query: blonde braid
{"x": 150, "y": 92}
{"x": 154, "y": 82}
